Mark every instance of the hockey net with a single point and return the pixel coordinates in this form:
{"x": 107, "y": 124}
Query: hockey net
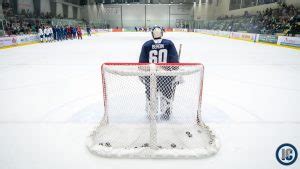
{"x": 152, "y": 111}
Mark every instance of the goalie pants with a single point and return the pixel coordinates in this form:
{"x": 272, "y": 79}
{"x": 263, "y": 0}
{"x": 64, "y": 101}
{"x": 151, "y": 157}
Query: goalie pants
{"x": 164, "y": 84}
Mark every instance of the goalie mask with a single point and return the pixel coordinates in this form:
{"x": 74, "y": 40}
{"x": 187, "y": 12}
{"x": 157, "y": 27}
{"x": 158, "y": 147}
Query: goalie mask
{"x": 157, "y": 32}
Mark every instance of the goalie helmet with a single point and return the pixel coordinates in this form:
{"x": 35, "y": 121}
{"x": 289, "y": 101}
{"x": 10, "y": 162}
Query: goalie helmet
{"x": 157, "y": 32}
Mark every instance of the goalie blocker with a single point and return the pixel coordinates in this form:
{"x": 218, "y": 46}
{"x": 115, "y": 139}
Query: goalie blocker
{"x": 128, "y": 130}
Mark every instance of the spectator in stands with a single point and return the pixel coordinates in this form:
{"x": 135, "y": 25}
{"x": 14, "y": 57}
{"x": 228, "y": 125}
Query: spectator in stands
{"x": 270, "y": 21}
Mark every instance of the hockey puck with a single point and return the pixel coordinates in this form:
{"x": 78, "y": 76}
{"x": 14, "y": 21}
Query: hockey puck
{"x": 107, "y": 144}
{"x": 173, "y": 145}
{"x": 189, "y": 134}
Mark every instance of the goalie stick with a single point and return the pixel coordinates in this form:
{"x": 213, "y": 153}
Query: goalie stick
{"x": 165, "y": 103}
{"x": 179, "y": 79}
{"x": 179, "y": 52}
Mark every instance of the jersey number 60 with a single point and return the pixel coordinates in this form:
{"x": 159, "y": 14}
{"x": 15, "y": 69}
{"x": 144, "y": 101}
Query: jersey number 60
{"x": 158, "y": 56}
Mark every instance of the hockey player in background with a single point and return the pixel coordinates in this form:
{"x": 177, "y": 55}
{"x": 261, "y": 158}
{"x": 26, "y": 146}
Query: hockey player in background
{"x": 41, "y": 34}
{"x": 69, "y": 30}
{"x": 79, "y": 32}
{"x": 50, "y": 36}
{"x": 74, "y": 32}
{"x": 65, "y": 33}
{"x": 88, "y": 30}
{"x": 46, "y": 33}
{"x": 159, "y": 50}
{"x": 54, "y": 28}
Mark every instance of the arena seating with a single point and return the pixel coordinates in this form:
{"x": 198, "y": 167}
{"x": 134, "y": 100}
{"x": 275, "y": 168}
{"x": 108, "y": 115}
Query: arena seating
{"x": 282, "y": 20}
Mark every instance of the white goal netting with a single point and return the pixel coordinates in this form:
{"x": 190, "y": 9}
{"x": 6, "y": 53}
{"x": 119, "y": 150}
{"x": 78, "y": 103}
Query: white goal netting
{"x": 152, "y": 111}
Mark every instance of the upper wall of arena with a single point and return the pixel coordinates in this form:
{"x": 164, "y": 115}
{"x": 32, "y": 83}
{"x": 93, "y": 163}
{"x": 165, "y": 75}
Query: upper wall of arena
{"x": 141, "y": 14}
{"x": 166, "y": 15}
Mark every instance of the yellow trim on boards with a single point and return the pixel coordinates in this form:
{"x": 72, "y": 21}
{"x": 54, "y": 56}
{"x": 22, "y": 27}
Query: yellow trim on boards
{"x": 18, "y": 45}
{"x": 32, "y": 43}
{"x": 284, "y": 46}
{"x": 265, "y": 43}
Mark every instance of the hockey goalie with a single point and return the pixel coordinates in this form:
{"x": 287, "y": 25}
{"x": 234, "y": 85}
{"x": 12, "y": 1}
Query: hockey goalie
{"x": 159, "y": 50}
{"x": 152, "y": 109}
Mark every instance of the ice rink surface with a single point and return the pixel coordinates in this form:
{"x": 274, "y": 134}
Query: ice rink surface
{"x": 51, "y": 98}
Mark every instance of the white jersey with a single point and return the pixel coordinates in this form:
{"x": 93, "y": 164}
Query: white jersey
{"x": 41, "y": 32}
{"x": 46, "y": 31}
{"x": 50, "y": 30}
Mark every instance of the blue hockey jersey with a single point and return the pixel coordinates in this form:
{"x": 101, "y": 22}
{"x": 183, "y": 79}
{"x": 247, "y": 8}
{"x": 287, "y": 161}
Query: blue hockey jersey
{"x": 159, "y": 51}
